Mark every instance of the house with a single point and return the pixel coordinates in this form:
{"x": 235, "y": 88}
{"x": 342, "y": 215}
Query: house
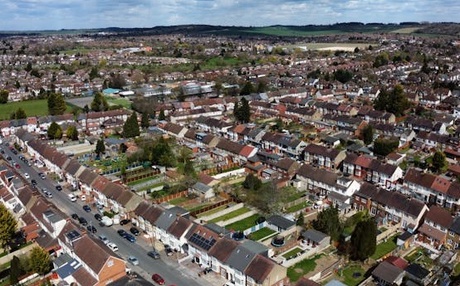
{"x": 200, "y": 240}
{"x": 387, "y": 274}
{"x": 98, "y": 265}
{"x": 329, "y": 158}
{"x": 390, "y": 207}
{"x": 177, "y": 231}
{"x": 316, "y": 238}
{"x": 453, "y": 236}
{"x": 203, "y": 191}
{"x": 433, "y": 231}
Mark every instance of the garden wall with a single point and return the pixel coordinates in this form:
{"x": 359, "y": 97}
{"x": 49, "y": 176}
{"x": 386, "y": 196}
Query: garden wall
{"x": 238, "y": 172}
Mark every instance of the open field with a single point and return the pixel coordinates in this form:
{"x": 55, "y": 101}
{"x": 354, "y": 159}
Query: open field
{"x": 288, "y": 31}
{"x": 336, "y": 46}
{"x": 406, "y": 30}
{"x": 37, "y": 107}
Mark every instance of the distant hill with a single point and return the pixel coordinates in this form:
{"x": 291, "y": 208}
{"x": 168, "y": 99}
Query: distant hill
{"x": 276, "y": 30}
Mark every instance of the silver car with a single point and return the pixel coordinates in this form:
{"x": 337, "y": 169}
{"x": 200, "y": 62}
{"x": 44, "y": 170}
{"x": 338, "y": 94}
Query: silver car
{"x": 133, "y": 260}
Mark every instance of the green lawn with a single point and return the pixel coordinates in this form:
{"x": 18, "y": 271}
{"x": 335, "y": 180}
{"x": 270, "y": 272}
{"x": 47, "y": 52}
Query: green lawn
{"x": 261, "y": 233}
{"x": 230, "y": 215}
{"x": 243, "y": 224}
{"x": 37, "y": 107}
{"x": 419, "y": 256}
{"x": 301, "y": 268}
{"x": 456, "y": 271}
{"x": 118, "y": 101}
{"x": 298, "y": 207}
{"x": 385, "y": 247}
{"x": 347, "y": 275}
{"x": 292, "y": 253}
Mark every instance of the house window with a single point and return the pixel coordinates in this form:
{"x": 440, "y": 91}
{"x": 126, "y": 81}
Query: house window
{"x": 373, "y": 211}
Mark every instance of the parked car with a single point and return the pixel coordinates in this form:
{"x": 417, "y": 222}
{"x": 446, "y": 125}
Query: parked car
{"x": 134, "y": 231}
{"x": 122, "y": 232}
{"x": 48, "y": 194}
{"x": 72, "y": 198}
{"x": 104, "y": 239}
{"x": 87, "y": 208}
{"x": 34, "y": 183}
{"x": 98, "y": 217}
{"x": 59, "y": 188}
{"x": 91, "y": 228}
{"x": 130, "y": 237}
{"x": 154, "y": 254}
{"x": 158, "y": 279}
{"x": 133, "y": 260}
{"x": 112, "y": 246}
{"x": 26, "y": 175}
{"x": 75, "y": 216}
{"x": 42, "y": 176}
{"x": 82, "y": 221}
{"x": 124, "y": 221}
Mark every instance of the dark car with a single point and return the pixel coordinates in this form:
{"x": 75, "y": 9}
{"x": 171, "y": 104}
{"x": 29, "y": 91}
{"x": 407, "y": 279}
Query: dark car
{"x": 122, "y": 232}
{"x": 130, "y": 237}
{"x": 75, "y": 216}
{"x": 124, "y": 221}
{"x": 98, "y": 217}
{"x": 154, "y": 254}
{"x": 42, "y": 176}
{"x": 134, "y": 231}
{"x": 8, "y": 158}
{"x": 59, "y": 188}
{"x": 87, "y": 208}
{"x": 34, "y": 182}
{"x": 158, "y": 279}
{"x": 83, "y": 221}
{"x": 91, "y": 228}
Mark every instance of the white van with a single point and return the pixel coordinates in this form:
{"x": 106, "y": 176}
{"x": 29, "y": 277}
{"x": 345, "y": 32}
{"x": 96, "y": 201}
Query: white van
{"x": 72, "y": 198}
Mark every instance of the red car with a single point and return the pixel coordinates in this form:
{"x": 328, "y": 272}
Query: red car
{"x": 158, "y": 279}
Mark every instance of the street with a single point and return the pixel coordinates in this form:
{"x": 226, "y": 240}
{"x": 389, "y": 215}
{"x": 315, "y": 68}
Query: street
{"x": 170, "y": 270}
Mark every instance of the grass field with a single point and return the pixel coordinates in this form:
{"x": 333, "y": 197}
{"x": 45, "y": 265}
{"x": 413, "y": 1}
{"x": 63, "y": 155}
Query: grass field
{"x": 37, "y": 107}
{"x": 287, "y": 31}
{"x": 292, "y": 253}
{"x": 261, "y": 233}
{"x": 350, "y": 275}
{"x": 244, "y": 223}
{"x": 303, "y": 267}
{"x": 118, "y": 101}
{"x": 230, "y": 215}
{"x": 385, "y": 247}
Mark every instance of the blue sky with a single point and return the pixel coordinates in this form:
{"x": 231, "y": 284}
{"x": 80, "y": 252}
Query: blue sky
{"x": 69, "y": 14}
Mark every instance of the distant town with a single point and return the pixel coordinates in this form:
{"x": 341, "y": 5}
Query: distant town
{"x": 208, "y": 155}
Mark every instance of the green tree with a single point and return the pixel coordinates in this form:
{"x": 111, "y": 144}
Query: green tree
{"x": 261, "y": 86}
{"x": 242, "y": 111}
{"x": 123, "y": 148}
{"x": 99, "y": 103}
{"x": 162, "y": 115}
{"x": 343, "y": 75}
{"x": 15, "y": 270}
{"x": 251, "y": 182}
{"x": 56, "y": 104}
{"x": 300, "y": 221}
{"x": 7, "y": 225}
{"x": 93, "y": 73}
{"x": 328, "y": 222}
{"x": 40, "y": 261}
{"x": 54, "y": 130}
{"x": 131, "y": 127}
{"x": 247, "y": 89}
{"x": 381, "y": 60}
{"x": 145, "y": 120}
{"x": 72, "y": 132}
{"x": 368, "y": 134}
{"x": 100, "y": 147}
{"x": 4, "y": 96}
{"x": 394, "y": 101}
{"x": 363, "y": 240}
{"x": 439, "y": 162}
{"x": 384, "y": 146}
{"x": 20, "y": 114}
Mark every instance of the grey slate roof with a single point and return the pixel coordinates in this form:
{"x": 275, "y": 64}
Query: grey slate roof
{"x": 165, "y": 219}
{"x": 314, "y": 235}
{"x": 281, "y": 222}
{"x": 387, "y": 272}
{"x": 240, "y": 258}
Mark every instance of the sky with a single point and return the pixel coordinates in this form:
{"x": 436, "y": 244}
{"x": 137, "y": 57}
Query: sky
{"x": 77, "y": 14}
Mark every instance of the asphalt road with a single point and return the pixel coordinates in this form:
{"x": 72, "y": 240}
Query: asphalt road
{"x": 170, "y": 271}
